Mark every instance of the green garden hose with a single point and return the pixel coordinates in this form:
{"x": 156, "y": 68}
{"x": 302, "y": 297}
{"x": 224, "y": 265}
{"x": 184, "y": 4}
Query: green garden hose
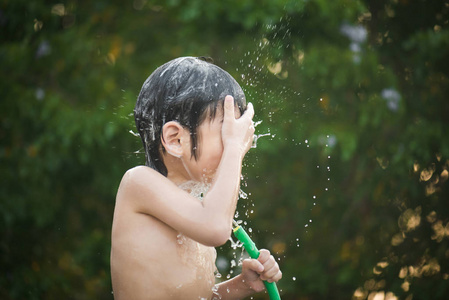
{"x": 253, "y": 252}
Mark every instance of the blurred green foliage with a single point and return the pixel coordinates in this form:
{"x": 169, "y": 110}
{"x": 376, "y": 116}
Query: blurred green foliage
{"x": 349, "y": 191}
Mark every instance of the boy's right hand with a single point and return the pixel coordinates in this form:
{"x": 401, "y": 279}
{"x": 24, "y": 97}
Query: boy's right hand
{"x": 237, "y": 132}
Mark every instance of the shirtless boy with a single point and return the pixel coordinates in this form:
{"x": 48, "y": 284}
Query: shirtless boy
{"x": 195, "y": 127}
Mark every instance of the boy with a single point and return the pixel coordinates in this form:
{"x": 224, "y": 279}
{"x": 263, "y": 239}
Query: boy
{"x": 195, "y": 127}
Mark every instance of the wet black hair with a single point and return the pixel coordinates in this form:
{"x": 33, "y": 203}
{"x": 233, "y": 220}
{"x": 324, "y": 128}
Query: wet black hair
{"x": 186, "y": 90}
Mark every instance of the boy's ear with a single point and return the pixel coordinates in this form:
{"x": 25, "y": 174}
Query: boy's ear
{"x": 171, "y": 138}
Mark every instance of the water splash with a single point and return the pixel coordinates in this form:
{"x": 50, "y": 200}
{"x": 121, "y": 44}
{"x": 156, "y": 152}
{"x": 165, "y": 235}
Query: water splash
{"x": 242, "y": 194}
{"x": 257, "y": 137}
{"x": 216, "y": 295}
{"x": 180, "y": 238}
{"x": 235, "y": 245}
{"x": 195, "y": 188}
{"x": 134, "y": 133}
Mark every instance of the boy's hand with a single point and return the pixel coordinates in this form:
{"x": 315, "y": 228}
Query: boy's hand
{"x": 237, "y": 132}
{"x": 254, "y": 271}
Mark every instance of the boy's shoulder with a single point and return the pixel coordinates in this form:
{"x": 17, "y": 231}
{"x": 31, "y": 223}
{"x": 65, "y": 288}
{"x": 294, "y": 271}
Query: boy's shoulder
{"x": 141, "y": 176}
{"x": 140, "y": 182}
{"x": 139, "y": 171}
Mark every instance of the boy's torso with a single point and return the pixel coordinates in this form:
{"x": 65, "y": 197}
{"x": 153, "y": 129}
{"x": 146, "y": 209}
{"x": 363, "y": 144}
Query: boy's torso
{"x": 150, "y": 260}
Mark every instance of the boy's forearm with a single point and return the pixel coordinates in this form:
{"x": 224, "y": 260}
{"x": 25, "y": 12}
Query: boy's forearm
{"x": 232, "y": 289}
{"x": 223, "y": 194}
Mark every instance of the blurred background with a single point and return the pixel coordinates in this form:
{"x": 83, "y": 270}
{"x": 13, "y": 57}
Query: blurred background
{"x": 348, "y": 186}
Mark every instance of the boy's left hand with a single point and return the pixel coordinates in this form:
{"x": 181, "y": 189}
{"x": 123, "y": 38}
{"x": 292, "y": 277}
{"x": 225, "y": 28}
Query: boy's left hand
{"x": 255, "y": 271}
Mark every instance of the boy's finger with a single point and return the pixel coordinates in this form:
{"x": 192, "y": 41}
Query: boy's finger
{"x": 263, "y": 256}
{"x": 229, "y": 112}
{"x": 253, "y": 265}
{"x": 249, "y": 111}
{"x": 269, "y": 272}
{"x": 269, "y": 263}
{"x": 275, "y": 278}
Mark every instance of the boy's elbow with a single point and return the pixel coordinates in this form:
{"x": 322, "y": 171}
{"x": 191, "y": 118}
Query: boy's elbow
{"x": 219, "y": 235}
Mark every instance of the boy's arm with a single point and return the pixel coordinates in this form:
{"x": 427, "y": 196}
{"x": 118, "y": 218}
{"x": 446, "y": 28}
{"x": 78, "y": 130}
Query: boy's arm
{"x": 234, "y": 288}
{"x": 208, "y": 222}
{"x": 249, "y": 281}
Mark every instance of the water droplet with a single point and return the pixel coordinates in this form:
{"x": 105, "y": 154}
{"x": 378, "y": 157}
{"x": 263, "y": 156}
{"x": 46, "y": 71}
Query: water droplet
{"x": 180, "y": 239}
{"x": 294, "y": 278}
{"x": 242, "y": 194}
{"x": 233, "y": 263}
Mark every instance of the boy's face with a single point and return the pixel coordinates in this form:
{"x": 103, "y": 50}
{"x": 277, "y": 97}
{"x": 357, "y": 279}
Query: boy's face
{"x": 210, "y": 148}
